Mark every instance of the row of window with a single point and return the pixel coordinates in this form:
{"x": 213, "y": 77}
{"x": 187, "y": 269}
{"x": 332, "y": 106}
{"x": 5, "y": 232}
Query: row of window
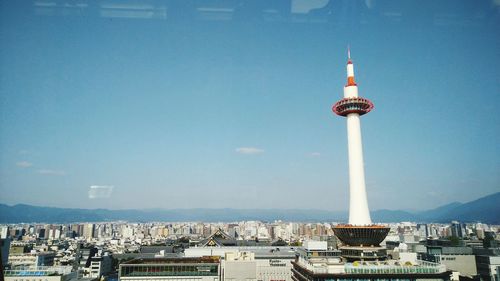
{"x": 373, "y": 278}
{"x": 392, "y": 270}
{"x": 31, "y": 279}
{"x": 169, "y": 270}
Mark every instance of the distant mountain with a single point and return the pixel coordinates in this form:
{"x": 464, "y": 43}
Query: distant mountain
{"x": 27, "y": 213}
{"x": 486, "y": 209}
{"x": 393, "y": 216}
{"x": 431, "y": 215}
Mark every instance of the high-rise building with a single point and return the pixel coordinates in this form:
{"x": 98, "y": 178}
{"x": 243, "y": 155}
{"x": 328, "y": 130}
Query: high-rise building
{"x": 4, "y": 251}
{"x": 88, "y": 230}
{"x": 456, "y": 229}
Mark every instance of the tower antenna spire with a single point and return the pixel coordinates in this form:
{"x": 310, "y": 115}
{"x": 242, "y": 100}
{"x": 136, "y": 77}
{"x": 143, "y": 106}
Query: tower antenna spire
{"x": 348, "y": 52}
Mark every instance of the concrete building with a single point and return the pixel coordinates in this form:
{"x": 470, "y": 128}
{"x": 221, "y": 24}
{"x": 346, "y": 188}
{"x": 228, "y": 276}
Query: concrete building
{"x": 269, "y": 263}
{"x": 4, "y": 250}
{"x": 321, "y": 264}
{"x": 458, "y": 259}
{"x": 488, "y": 267}
{"x": 44, "y": 273}
{"x": 445, "y": 250}
{"x": 4, "y": 231}
{"x": 19, "y": 249}
{"x": 32, "y": 259}
{"x": 457, "y": 229}
{"x": 464, "y": 265}
{"x": 185, "y": 269}
{"x": 88, "y": 230}
{"x": 83, "y": 259}
{"x": 239, "y": 266}
{"x": 99, "y": 266}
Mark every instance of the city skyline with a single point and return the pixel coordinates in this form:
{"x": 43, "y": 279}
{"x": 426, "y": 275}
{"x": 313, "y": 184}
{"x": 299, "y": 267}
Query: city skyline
{"x": 103, "y": 111}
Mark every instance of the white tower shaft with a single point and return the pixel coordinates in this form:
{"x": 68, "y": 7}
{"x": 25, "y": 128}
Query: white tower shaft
{"x": 359, "y": 214}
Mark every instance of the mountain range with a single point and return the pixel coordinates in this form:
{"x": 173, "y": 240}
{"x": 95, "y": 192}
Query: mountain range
{"x": 485, "y": 209}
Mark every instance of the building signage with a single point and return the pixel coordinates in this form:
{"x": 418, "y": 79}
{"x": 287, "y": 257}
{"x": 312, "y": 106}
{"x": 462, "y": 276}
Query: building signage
{"x": 277, "y": 263}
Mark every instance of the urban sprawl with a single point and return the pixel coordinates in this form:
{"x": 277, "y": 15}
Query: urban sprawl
{"x": 249, "y": 250}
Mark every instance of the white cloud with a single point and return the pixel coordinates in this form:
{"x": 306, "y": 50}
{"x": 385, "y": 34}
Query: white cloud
{"x": 249, "y": 150}
{"x": 24, "y": 164}
{"x": 100, "y": 191}
{"x": 51, "y": 172}
{"x": 314, "y": 154}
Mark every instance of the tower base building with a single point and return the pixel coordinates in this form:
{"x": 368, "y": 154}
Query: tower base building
{"x": 322, "y": 264}
{"x": 362, "y": 242}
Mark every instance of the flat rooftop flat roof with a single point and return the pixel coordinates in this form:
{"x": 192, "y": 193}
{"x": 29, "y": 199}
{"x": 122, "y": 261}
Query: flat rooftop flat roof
{"x": 204, "y": 259}
{"x": 261, "y": 252}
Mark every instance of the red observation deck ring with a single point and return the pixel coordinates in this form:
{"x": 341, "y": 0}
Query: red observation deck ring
{"x": 352, "y": 105}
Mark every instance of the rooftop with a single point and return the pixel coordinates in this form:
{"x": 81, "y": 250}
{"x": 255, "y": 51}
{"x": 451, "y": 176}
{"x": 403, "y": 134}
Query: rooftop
{"x": 333, "y": 266}
{"x": 39, "y": 271}
{"x": 191, "y": 260}
{"x": 261, "y": 252}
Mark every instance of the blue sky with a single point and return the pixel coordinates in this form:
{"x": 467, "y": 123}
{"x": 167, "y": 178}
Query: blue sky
{"x": 186, "y": 104}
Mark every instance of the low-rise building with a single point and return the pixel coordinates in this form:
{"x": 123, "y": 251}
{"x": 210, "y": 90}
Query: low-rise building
{"x": 32, "y": 259}
{"x": 99, "y": 266}
{"x": 239, "y": 266}
{"x": 45, "y": 273}
{"x": 270, "y": 263}
{"x": 464, "y": 265}
{"x": 206, "y": 268}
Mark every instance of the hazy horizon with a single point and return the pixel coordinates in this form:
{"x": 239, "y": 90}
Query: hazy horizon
{"x": 265, "y": 209}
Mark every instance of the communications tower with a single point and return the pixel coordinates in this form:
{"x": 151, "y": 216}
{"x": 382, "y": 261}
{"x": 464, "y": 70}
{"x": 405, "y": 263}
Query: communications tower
{"x": 360, "y": 238}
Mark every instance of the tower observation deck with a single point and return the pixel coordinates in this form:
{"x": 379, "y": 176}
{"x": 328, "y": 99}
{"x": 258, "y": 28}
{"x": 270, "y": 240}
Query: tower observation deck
{"x": 360, "y": 238}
